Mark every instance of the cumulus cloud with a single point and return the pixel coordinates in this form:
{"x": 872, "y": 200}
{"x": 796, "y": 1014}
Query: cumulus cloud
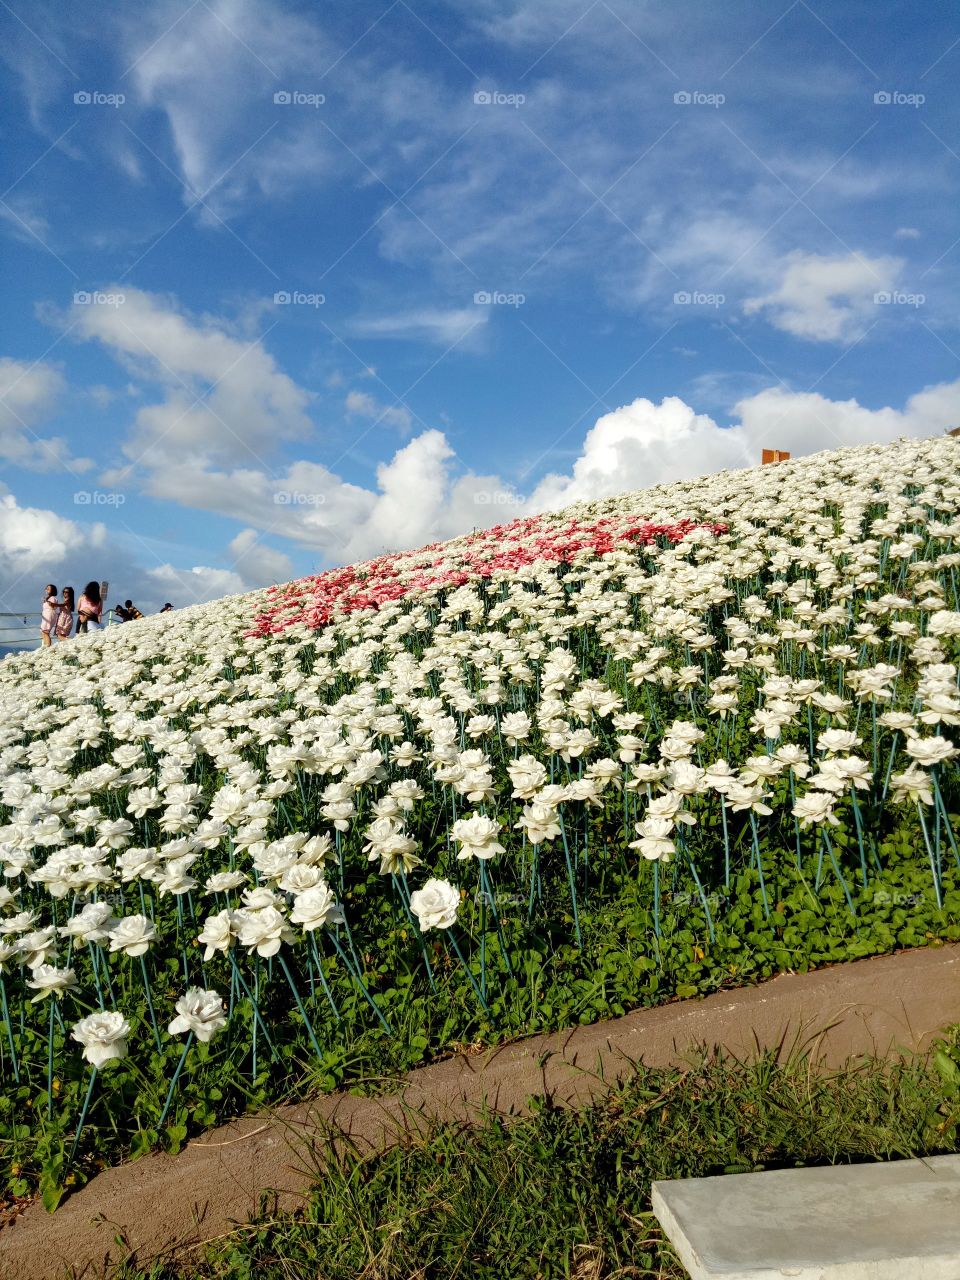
{"x": 29, "y": 394}
{"x": 257, "y": 564}
{"x": 34, "y": 540}
{"x": 39, "y": 545}
{"x": 191, "y": 586}
{"x": 826, "y": 299}
{"x": 644, "y": 444}
{"x": 224, "y": 398}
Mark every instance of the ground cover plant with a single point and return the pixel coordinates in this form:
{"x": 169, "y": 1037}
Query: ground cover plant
{"x": 542, "y": 774}
{"x": 567, "y": 1194}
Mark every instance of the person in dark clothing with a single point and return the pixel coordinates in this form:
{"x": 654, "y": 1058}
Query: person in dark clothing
{"x": 89, "y": 608}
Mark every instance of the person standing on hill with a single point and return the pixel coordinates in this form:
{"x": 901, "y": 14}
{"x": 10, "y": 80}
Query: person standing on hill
{"x": 65, "y": 620}
{"x": 89, "y": 608}
{"x": 49, "y": 613}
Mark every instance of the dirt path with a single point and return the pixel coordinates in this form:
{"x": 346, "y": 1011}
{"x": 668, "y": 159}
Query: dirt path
{"x": 163, "y": 1204}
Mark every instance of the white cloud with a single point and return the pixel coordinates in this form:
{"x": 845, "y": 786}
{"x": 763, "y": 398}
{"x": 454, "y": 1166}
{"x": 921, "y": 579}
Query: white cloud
{"x": 38, "y": 546}
{"x": 29, "y": 393}
{"x": 644, "y": 444}
{"x": 364, "y": 405}
{"x": 907, "y": 233}
{"x": 214, "y": 76}
{"x": 640, "y": 445}
{"x": 257, "y": 564}
{"x": 425, "y": 324}
{"x": 826, "y": 299}
{"x": 192, "y": 586}
{"x": 420, "y": 495}
{"x": 225, "y": 399}
{"x": 41, "y": 542}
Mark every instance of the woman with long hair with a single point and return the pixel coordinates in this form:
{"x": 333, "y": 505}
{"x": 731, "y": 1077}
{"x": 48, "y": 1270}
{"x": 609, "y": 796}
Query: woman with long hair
{"x": 89, "y": 608}
{"x": 65, "y": 620}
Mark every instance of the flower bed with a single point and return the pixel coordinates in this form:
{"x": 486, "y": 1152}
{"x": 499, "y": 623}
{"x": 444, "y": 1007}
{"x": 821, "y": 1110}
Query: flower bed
{"x": 536, "y": 775}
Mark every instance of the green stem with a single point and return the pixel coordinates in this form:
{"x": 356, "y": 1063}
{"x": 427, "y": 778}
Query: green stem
{"x": 303, "y": 1013}
{"x": 173, "y": 1082}
{"x": 146, "y": 987}
{"x": 358, "y": 979}
{"x": 469, "y": 973}
{"x": 53, "y": 1003}
{"x": 83, "y": 1115}
{"x": 9, "y": 1026}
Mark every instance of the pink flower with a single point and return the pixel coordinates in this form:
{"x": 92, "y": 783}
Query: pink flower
{"x": 528, "y": 540}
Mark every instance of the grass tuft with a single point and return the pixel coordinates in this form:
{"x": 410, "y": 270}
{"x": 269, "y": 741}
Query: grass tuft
{"x": 567, "y": 1194}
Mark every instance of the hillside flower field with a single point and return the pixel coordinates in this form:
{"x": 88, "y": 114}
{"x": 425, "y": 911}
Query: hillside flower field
{"x": 541, "y": 774}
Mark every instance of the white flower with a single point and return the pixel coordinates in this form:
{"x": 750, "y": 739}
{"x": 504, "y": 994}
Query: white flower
{"x": 132, "y": 935}
{"x": 944, "y": 623}
{"x": 300, "y": 878}
{"x": 224, "y": 881}
{"x": 92, "y": 924}
{"x": 315, "y": 908}
{"x": 103, "y": 1036}
{"x": 832, "y": 740}
{"x": 527, "y": 775}
{"x": 816, "y": 806}
{"x": 435, "y": 905}
{"x": 114, "y": 835}
{"x": 913, "y": 786}
{"x": 218, "y": 933}
{"x": 515, "y": 727}
{"x": 36, "y": 948}
{"x": 739, "y": 797}
{"x": 656, "y": 842}
{"x": 263, "y": 931}
{"x": 930, "y": 751}
{"x": 47, "y": 980}
{"x": 477, "y": 835}
{"x": 198, "y": 1011}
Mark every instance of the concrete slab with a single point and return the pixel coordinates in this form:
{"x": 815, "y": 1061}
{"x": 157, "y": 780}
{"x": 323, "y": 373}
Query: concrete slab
{"x": 890, "y": 1221}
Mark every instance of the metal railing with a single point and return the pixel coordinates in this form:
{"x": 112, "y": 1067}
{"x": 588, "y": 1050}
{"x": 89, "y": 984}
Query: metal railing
{"x": 21, "y": 630}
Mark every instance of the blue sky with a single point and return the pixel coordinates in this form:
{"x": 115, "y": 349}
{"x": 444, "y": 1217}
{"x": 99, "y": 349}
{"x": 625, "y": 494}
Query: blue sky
{"x": 291, "y": 284}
